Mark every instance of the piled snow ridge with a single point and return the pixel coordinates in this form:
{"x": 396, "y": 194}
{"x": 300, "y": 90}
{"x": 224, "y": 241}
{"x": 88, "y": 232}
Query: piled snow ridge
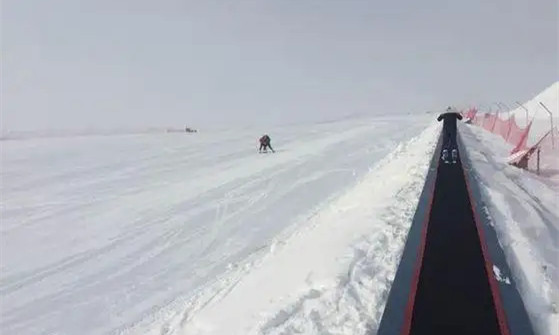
{"x": 335, "y": 272}
{"x": 525, "y": 212}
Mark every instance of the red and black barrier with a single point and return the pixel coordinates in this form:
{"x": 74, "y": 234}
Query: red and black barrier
{"x": 446, "y": 281}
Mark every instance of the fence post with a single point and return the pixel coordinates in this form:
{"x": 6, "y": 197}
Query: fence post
{"x": 538, "y": 162}
{"x": 509, "y": 120}
{"x": 551, "y": 123}
{"x": 499, "y": 109}
{"x": 525, "y": 109}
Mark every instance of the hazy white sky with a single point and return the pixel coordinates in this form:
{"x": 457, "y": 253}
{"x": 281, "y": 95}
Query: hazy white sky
{"x": 106, "y": 63}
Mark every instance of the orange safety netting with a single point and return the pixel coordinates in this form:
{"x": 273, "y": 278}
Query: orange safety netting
{"x": 543, "y": 157}
{"x": 518, "y": 135}
{"x": 508, "y": 129}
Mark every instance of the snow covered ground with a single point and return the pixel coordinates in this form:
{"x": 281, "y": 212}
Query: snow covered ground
{"x": 181, "y": 233}
{"x": 334, "y": 274}
{"x": 525, "y": 209}
{"x": 198, "y": 234}
{"x": 541, "y": 119}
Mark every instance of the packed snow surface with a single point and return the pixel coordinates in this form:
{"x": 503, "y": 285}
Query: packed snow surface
{"x": 199, "y": 234}
{"x": 334, "y": 275}
{"x": 524, "y": 208}
{"x": 163, "y": 232}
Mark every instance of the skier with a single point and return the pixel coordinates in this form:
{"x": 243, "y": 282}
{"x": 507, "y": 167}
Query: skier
{"x": 265, "y": 143}
{"x": 449, "y": 133}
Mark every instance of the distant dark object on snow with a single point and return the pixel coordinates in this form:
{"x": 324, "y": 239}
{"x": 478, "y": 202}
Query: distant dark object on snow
{"x": 183, "y": 130}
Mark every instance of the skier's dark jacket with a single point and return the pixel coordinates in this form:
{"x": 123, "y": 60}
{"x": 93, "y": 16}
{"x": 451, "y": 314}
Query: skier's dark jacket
{"x": 265, "y": 140}
{"x": 449, "y": 124}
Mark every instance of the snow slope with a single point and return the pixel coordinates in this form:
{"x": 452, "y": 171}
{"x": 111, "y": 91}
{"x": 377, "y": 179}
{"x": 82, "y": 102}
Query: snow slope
{"x": 109, "y": 234}
{"x": 525, "y": 211}
{"x": 332, "y": 275}
{"x": 541, "y": 119}
{"x": 61, "y": 133}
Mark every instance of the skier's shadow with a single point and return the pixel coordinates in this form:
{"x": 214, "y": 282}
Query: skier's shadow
{"x": 271, "y": 152}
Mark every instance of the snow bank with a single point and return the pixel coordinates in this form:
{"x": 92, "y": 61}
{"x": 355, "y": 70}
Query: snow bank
{"x": 525, "y": 211}
{"x": 334, "y": 273}
{"x": 541, "y": 124}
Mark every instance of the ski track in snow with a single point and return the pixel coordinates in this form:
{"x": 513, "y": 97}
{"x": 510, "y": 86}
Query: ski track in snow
{"x": 333, "y": 275}
{"x": 128, "y": 234}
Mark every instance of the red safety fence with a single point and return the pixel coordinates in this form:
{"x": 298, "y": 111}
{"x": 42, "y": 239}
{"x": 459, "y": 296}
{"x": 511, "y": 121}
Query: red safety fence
{"x": 518, "y": 135}
{"x": 508, "y": 129}
{"x": 542, "y": 157}
{"x": 547, "y": 152}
